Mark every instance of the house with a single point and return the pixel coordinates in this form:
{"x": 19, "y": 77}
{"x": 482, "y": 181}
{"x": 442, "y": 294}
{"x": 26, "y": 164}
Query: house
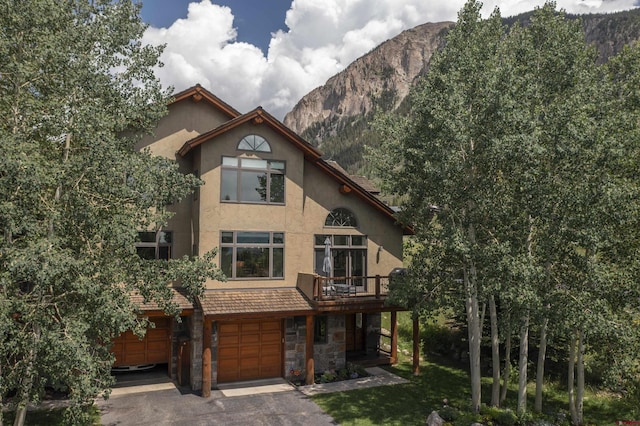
{"x": 306, "y": 248}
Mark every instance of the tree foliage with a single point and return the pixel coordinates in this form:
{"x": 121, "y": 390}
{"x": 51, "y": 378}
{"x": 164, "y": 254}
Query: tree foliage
{"x": 516, "y": 164}
{"x": 76, "y": 91}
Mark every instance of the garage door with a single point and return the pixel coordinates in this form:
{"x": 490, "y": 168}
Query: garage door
{"x": 249, "y": 350}
{"x": 154, "y": 348}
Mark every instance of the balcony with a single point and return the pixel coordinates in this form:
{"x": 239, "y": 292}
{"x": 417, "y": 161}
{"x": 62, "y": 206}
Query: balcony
{"x": 357, "y": 294}
{"x": 333, "y": 288}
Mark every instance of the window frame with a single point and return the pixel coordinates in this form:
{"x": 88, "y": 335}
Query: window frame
{"x": 339, "y": 213}
{"x": 272, "y": 245}
{"x": 320, "y": 329}
{"x": 238, "y": 170}
{"x": 159, "y": 244}
{"x": 250, "y": 140}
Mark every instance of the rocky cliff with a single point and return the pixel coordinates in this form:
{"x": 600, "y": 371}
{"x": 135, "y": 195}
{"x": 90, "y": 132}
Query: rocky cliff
{"x": 336, "y": 116}
{"x": 381, "y": 77}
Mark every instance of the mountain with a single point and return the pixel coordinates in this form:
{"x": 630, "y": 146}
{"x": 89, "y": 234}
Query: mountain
{"x": 337, "y": 117}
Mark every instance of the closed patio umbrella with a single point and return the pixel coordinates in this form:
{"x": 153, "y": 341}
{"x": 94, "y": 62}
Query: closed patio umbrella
{"x": 326, "y": 264}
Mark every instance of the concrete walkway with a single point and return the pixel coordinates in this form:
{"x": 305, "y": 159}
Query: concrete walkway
{"x": 262, "y": 402}
{"x": 378, "y": 377}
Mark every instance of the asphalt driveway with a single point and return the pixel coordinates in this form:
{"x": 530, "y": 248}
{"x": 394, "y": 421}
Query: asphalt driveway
{"x": 153, "y": 399}
{"x": 171, "y": 407}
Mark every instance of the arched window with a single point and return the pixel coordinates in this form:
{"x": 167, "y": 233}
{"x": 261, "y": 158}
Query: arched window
{"x": 254, "y": 143}
{"x": 341, "y": 217}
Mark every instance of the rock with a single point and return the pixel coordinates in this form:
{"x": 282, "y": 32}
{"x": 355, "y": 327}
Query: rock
{"x": 434, "y": 419}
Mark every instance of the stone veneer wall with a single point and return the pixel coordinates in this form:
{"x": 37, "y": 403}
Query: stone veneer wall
{"x": 295, "y": 330}
{"x": 196, "y": 349}
{"x": 331, "y": 355}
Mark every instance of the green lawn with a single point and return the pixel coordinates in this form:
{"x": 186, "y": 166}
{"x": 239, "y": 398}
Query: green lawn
{"x": 53, "y": 417}
{"x": 411, "y": 403}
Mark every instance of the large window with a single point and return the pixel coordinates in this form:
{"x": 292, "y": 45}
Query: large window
{"x": 252, "y": 180}
{"x": 348, "y": 257}
{"x": 154, "y": 245}
{"x": 252, "y": 254}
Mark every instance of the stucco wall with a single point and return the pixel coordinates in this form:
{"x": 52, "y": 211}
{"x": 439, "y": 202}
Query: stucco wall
{"x": 310, "y": 195}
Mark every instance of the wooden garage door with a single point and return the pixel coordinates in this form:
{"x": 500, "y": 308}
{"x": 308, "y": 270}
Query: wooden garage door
{"x": 249, "y": 350}
{"x": 154, "y": 348}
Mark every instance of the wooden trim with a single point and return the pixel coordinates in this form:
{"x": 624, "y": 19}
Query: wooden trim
{"x": 394, "y": 337}
{"x": 308, "y": 353}
{"x": 206, "y": 357}
{"x": 197, "y": 93}
{"x": 263, "y": 117}
{"x": 171, "y": 354}
{"x": 258, "y": 315}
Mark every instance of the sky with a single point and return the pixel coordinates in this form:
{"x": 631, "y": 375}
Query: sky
{"x": 271, "y": 53}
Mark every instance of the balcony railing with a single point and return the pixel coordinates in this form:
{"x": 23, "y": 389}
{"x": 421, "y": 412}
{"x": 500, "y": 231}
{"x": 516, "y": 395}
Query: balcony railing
{"x": 332, "y": 288}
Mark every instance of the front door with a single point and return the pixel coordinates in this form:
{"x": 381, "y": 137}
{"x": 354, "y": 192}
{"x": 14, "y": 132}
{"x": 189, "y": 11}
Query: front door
{"x": 355, "y": 340}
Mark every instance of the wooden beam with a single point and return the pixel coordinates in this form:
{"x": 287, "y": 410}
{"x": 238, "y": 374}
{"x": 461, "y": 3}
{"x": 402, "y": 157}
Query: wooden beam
{"x": 394, "y": 337}
{"x": 310, "y": 372}
{"x": 416, "y": 346}
{"x": 171, "y": 354}
{"x": 206, "y": 358}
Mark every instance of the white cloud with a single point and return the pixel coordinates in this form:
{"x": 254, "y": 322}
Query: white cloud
{"x": 323, "y": 37}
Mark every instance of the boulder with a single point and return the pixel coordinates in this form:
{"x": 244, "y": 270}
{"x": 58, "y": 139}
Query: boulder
{"x": 434, "y": 419}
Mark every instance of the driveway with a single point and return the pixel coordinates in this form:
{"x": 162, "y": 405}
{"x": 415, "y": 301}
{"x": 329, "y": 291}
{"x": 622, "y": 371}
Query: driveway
{"x": 166, "y": 405}
{"x": 152, "y": 399}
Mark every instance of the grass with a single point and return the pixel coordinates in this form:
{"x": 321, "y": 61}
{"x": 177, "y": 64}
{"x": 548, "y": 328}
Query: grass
{"x": 439, "y": 378}
{"x": 52, "y": 417}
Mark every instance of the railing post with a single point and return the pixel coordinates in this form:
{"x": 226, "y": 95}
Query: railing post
{"x": 394, "y": 337}
{"x": 377, "y": 286}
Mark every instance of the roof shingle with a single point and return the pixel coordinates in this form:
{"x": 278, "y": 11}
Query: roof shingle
{"x": 254, "y": 301}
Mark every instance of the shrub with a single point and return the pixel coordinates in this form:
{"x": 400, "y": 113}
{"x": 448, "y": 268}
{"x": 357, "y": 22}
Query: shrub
{"x": 448, "y": 413}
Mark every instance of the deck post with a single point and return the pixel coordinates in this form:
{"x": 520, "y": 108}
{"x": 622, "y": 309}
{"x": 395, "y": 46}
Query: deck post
{"x": 394, "y": 337}
{"x": 310, "y": 372}
{"x": 416, "y": 346}
{"x": 377, "y": 286}
{"x": 206, "y": 358}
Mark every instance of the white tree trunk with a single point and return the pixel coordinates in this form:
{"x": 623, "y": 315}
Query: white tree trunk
{"x": 542, "y": 354}
{"x": 580, "y": 378}
{"x": 507, "y": 363}
{"x": 495, "y": 352}
{"x": 571, "y": 380}
{"x": 26, "y": 384}
{"x": 473, "y": 325}
{"x": 522, "y": 368}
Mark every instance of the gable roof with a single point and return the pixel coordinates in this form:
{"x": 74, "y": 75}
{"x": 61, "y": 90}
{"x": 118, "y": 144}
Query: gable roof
{"x": 346, "y": 182}
{"x": 257, "y": 116}
{"x": 198, "y": 93}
